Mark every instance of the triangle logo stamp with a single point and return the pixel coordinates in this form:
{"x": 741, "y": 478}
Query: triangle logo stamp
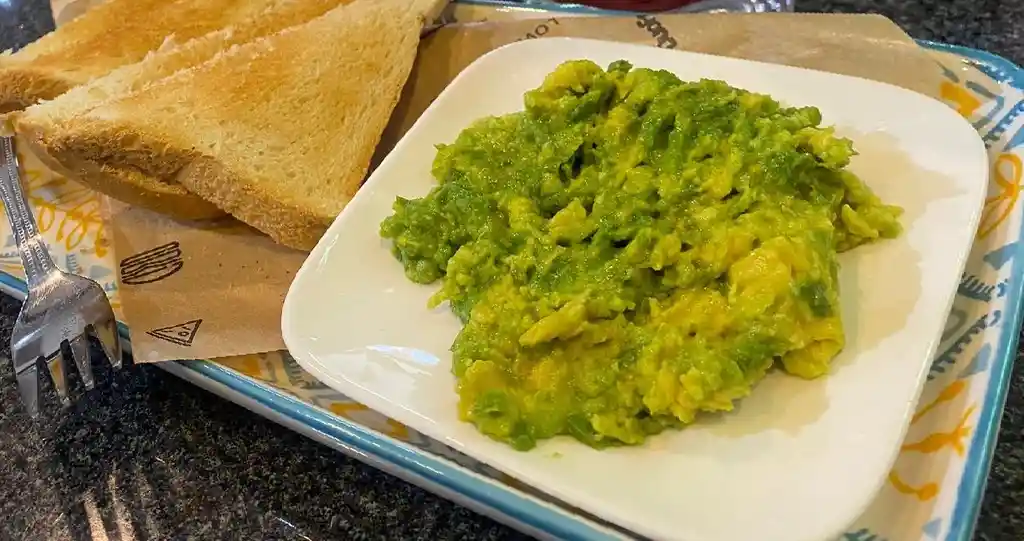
{"x": 181, "y": 334}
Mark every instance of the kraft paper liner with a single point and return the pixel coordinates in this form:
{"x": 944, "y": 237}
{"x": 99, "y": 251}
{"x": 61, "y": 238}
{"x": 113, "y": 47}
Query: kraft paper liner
{"x": 933, "y": 490}
{"x": 870, "y": 46}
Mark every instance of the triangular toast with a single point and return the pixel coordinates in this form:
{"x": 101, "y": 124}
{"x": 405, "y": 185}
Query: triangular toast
{"x": 277, "y": 132}
{"x": 128, "y": 184}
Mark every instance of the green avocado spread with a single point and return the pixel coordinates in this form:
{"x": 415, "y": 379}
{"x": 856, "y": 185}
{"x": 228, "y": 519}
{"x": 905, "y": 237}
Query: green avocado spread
{"x": 632, "y": 249}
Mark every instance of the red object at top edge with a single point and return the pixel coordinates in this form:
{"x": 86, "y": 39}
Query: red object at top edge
{"x": 633, "y": 5}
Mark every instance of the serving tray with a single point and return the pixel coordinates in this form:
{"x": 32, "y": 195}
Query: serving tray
{"x": 934, "y": 490}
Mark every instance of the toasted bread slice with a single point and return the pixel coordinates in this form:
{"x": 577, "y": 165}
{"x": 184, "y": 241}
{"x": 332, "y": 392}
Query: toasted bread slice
{"x": 278, "y": 132}
{"x": 127, "y": 183}
{"x": 113, "y": 34}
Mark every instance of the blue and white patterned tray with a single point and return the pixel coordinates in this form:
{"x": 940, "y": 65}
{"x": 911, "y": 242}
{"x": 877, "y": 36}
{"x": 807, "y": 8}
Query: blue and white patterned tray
{"x": 933, "y": 491}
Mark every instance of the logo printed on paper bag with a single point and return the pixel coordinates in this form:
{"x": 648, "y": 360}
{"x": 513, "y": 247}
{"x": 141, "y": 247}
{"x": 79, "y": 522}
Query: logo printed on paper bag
{"x": 540, "y": 30}
{"x": 152, "y": 265}
{"x": 181, "y": 334}
{"x": 658, "y": 31}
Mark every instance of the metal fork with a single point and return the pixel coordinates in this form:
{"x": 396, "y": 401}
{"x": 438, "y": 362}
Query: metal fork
{"x": 61, "y": 309}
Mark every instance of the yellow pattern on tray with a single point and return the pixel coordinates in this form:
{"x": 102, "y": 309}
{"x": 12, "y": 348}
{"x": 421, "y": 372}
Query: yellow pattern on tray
{"x": 936, "y": 441}
{"x": 924, "y": 492}
{"x": 921, "y": 490}
{"x": 960, "y": 98}
{"x": 1007, "y": 177}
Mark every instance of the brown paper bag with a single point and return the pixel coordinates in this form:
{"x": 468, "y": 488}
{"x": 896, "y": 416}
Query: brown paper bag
{"x": 193, "y": 292}
{"x": 868, "y": 46}
{"x": 199, "y": 292}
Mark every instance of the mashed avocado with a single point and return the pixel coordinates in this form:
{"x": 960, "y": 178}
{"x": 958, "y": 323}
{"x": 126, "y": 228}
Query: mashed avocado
{"x": 633, "y": 249}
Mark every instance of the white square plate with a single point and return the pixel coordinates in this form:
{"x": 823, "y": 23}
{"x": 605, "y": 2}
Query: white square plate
{"x": 798, "y": 460}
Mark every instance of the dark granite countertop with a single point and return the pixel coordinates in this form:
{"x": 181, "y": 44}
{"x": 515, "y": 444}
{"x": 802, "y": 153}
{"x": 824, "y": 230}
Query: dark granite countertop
{"x": 152, "y": 457}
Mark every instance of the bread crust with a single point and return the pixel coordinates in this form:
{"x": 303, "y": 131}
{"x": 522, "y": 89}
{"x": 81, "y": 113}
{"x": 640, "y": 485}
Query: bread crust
{"x": 133, "y": 187}
{"x": 23, "y": 86}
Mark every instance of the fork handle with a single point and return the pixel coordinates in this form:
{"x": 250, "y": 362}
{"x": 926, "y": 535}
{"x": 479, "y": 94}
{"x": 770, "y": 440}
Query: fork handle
{"x": 36, "y": 259}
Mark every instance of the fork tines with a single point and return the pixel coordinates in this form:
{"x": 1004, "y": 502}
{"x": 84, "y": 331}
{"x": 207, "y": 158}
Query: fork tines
{"x": 61, "y": 309}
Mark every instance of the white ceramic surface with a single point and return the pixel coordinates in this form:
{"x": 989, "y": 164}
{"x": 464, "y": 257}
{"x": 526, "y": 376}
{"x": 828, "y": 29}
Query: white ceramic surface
{"x": 798, "y": 460}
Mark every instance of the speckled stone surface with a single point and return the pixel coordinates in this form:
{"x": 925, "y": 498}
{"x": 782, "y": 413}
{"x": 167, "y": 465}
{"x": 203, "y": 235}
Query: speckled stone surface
{"x": 151, "y": 457}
